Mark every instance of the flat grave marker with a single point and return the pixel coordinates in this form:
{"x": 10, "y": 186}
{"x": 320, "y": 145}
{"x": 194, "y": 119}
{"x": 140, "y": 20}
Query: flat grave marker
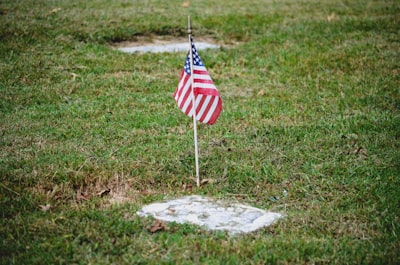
{"x": 211, "y": 214}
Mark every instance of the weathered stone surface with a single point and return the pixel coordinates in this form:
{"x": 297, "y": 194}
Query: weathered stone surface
{"x": 212, "y": 214}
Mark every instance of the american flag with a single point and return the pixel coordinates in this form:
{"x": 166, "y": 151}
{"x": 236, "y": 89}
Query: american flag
{"x": 207, "y": 99}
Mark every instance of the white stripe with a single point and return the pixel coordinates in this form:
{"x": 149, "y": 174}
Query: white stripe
{"x": 191, "y": 110}
{"x": 202, "y": 85}
{"x": 184, "y": 91}
{"x": 211, "y": 111}
{"x": 180, "y": 85}
{"x": 198, "y": 98}
{"x": 204, "y": 107}
{"x": 201, "y": 68}
{"x": 202, "y": 76}
{"x": 182, "y": 80}
{"x": 186, "y": 104}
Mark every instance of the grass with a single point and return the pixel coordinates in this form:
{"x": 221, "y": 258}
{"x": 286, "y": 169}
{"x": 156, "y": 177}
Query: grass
{"x": 311, "y": 106}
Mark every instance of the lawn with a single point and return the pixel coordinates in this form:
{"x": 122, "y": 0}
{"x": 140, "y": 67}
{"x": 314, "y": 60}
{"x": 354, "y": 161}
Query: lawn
{"x": 310, "y": 128}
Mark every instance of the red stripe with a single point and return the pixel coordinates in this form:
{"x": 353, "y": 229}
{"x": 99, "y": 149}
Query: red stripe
{"x": 185, "y": 98}
{"x": 189, "y": 108}
{"x": 185, "y": 78}
{"x": 198, "y": 106}
{"x": 178, "y": 87}
{"x": 207, "y": 110}
{"x": 203, "y": 81}
{"x": 200, "y": 72}
{"x": 206, "y": 91}
{"x": 216, "y": 112}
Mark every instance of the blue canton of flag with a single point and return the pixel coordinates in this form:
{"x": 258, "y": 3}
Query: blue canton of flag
{"x": 196, "y": 59}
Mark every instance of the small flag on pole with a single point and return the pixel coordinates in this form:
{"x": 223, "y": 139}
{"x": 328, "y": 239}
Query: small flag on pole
{"x": 207, "y": 99}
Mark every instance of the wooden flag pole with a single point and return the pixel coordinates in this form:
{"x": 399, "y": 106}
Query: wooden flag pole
{"x": 196, "y": 148}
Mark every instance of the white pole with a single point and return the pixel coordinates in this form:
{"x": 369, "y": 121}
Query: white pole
{"x": 196, "y": 148}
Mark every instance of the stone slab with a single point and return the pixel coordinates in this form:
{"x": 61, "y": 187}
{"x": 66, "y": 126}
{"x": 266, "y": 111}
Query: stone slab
{"x": 172, "y": 47}
{"x": 211, "y": 214}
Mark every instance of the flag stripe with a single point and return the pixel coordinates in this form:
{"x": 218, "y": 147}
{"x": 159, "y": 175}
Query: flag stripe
{"x": 200, "y": 71}
{"x": 203, "y": 81}
{"x": 206, "y": 108}
{"x": 185, "y": 96}
{"x": 202, "y": 106}
{"x": 211, "y": 109}
{"x": 183, "y": 81}
{"x": 206, "y": 91}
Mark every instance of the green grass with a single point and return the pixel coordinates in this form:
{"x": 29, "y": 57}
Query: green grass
{"x": 311, "y": 106}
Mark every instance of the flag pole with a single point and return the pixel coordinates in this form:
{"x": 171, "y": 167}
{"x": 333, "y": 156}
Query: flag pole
{"x": 196, "y": 148}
